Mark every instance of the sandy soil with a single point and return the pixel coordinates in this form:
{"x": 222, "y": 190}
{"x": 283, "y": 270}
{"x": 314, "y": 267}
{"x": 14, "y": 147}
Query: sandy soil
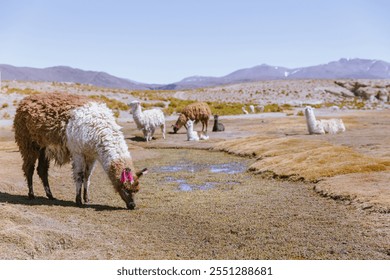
{"x": 188, "y": 210}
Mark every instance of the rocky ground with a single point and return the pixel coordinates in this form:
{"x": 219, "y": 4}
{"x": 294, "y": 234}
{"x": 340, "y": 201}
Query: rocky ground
{"x": 198, "y": 202}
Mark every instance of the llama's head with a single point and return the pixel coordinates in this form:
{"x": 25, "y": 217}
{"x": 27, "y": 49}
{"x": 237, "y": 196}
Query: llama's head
{"x": 309, "y": 114}
{"x": 126, "y": 180}
{"x": 216, "y": 117}
{"x": 130, "y": 185}
{"x": 134, "y": 105}
{"x": 179, "y": 123}
{"x": 190, "y": 125}
{"x": 309, "y": 111}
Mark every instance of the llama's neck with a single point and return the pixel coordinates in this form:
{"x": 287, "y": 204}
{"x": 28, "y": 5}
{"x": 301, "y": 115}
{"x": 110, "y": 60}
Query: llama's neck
{"x": 113, "y": 149}
{"x": 310, "y": 119}
{"x": 215, "y": 124}
{"x": 138, "y": 116}
{"x": 93, "y": 132}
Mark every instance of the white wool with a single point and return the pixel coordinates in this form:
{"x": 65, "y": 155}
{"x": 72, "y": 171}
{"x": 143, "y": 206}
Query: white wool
{"x": 194, "y": 135}
{"x": 332, "y": 126}
{"x": 93, "y": 132}
{"x": 203, "y": 136}
{"x": 148, "y": 120}
{"x": 252, "y": 108}
{"x": 314, "y": 126}
{"x": 191, "y": 134}
{"x": 244, "y": 110}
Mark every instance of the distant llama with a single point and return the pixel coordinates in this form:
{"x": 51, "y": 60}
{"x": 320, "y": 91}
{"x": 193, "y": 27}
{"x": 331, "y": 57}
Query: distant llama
{"x": 314, "y": 126}
{"x": 217, "y": 125}
{"x": 198, "y": 112}
{"x": 244, "y": 110}
{"x": 194, "y": 135}
{"x": 148, "y": 120}
{"x": 64, "y": 127}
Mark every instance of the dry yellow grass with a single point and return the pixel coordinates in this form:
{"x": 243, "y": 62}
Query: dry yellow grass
{"x": 304, "y": 159}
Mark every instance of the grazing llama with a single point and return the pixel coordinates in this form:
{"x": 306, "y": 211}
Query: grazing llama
{"x": 64, "y": 127}
{"x": 198, "y": 111}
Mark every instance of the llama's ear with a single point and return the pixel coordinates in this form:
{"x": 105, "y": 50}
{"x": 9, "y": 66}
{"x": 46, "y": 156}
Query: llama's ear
{"x": 142, "y": 172}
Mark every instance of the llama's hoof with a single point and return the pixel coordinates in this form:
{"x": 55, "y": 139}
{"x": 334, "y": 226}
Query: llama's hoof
{"x": 131, "y": 206}
{"x": 51, "y": 197}
{"x": 79, "y": 203}
{"x": 31, "y": 196}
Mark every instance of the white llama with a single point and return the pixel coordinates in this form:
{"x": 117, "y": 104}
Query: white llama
{"x": 148, "y": 120}
{"x": 331, "y": 126}
{"x": 194, "y": 135}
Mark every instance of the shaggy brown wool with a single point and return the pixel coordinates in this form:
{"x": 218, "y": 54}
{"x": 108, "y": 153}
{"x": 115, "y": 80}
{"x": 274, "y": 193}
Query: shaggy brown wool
{"x": 198, "y": 111}
{"x": 40, "y": 121}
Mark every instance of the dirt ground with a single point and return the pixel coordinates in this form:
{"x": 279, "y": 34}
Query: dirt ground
{"x": 200, "y": 203}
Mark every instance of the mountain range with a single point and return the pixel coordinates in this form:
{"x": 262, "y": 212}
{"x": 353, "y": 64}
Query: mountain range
{"x": 342, "y": 69}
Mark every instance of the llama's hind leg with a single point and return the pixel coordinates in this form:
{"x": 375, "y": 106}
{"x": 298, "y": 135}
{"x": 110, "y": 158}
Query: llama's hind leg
{"x": 28, "y": 168}
{"x": 42, "y": 169}
{"x": 89, "y": 166}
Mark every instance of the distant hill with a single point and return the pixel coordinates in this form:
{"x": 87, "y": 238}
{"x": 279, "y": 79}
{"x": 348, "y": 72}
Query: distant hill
{"x": 341, "y": 69}
{"x": 67, "y": 74}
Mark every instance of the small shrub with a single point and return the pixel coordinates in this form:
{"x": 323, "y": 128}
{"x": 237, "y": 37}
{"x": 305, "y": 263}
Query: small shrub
{"x": 5, "y": 105}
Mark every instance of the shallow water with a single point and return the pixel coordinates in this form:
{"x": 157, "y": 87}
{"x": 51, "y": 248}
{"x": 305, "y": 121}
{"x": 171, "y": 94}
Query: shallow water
{"x": 227, "y": 168}
{"x": 183, "y": 167}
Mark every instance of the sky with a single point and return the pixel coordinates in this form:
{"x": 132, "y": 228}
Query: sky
{"x": 165, "y": 41}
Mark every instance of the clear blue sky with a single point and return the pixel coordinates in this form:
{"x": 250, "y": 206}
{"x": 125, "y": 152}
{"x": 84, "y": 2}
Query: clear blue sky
{"x": 165, "y": 41}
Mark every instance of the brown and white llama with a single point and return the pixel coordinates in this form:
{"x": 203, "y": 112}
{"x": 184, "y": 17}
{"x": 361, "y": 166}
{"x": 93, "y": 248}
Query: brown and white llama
{"x": 64, "y": 127}
{"x": 198, "y": 111}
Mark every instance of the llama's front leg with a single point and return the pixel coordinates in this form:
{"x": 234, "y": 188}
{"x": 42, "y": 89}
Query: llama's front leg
{"x": 145, "y": 132}
{"x": 163, "y": 130}
{"x": 78, "y": 167}
{"x": 151, "y": 133}
{"x": 42, "y": 169}
{"x": 89, "y": 166}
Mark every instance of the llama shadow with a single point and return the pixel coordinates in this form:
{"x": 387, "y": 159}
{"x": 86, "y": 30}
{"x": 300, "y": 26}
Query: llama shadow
{"x": 137, "y": 139}
{"x": 181, "y": 132}
{"x": 23, "y": 200}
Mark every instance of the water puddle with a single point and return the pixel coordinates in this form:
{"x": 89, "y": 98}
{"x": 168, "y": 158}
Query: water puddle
{"x": 229, "y": 168}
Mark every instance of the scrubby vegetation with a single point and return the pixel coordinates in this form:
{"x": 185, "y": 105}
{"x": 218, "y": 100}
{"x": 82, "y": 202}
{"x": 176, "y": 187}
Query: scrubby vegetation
{"x": 27, "y": 91}
{"x": 112, "y": 103}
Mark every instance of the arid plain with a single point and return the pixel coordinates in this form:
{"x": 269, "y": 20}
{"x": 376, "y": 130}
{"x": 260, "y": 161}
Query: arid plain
{"x": 262, "y": 189}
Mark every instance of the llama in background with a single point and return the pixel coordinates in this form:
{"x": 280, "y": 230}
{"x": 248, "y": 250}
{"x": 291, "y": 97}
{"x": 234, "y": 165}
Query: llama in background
{"x": 194, "y": 135}
{"x": 331, "y": 126}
